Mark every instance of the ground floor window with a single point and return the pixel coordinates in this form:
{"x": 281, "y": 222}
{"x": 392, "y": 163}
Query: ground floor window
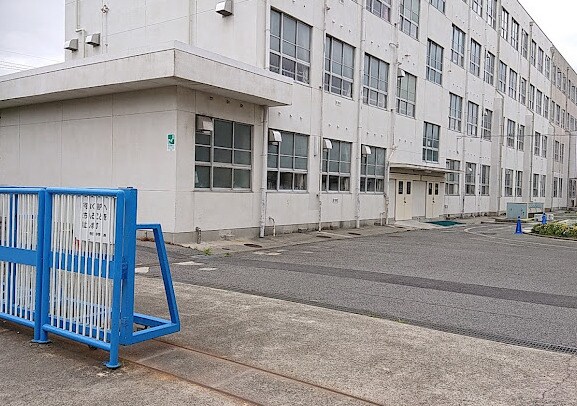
{"x": 452, "y": 178}
{"x": 485, "y": 176}
{"x": 508, "y": 182}
{"x": 536, "y": 185}
{"x": 470, "y": 176}
{"x": 336, "y": 166}
{"x": 287, "y": 162}
{"x": 223, "y": 154}
{"x": 372, "y": 169}
{"x": 519, "y": 184}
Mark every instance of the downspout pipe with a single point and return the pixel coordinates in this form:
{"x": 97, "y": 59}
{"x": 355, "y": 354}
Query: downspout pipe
{"x": 359, "y": 91}
{"x": 265, "y": 128}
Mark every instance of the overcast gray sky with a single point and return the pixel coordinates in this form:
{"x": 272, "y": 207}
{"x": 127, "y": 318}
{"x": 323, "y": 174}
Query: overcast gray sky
{"x": 32, "y": 31}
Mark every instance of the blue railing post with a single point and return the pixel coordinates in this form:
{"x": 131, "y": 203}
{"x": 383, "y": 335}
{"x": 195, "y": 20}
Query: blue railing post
{"x": 129, "y": 260}
{"x": 40, "y": 249}
{"x": 45, "y": 269}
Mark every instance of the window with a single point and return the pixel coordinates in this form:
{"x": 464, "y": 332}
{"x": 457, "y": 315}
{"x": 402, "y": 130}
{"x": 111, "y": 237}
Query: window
{"x": 288, "y": 162}
{"x": 563, "y": 118}
{"x": 540, "y": 56}
{"x": 533, "y": 55}
{"x": 502, "y": 77}
{"x": 472, "y": 119}
{"x": 434, "y": 63}
{"x": 521, "y": 138}
{"x": 557, "y": 114}
{"x": 544, "y": 146}
{"x": 523, "y": 91}
{"x": 543, "y": 184}
{"x": 223, "y": 157}
{"x": 452, "y": 178}
{"x": 485, "y": 178}
{"x": 455, "y": 112}
{"x": 431, "y": 142}
{"x": 406, "y": 95}
{"x": 537, "y": 144}
{"x": 504, "y": 24}
{"x": 560, "y": 187}
{"x": 508, "y": 182}
{"x": 336, "y": 167}
{"x": 519, "y": 184}
{"x": 547, "y": 67}
{"x": 290, "y": 48}
{"x": 491, "y": 13}
{"x": 458, "y": 46}
{"x": 512, "y": 84}
{"x": 556, "y": 149}
{"x": 539, "y": 102}
{"x": 487, "y": 124}
{"x": 555, "y": 180}
{"x": 375, "y": 82}
{"x": 380, "y": 8}
{"x": 475, "y": 58}
{"x": 489, "y": 67}
{"x": 546, "y": 107}
{"x": 372, "y": 170}
{"x": 470, "y": 175}
{"x": 511, "y": 133}
{"x": 410, "y": 10}
{"x": 531, "y": 97}
{"x": 562, "y": 153}
{"x": 514, "y": 33}
{"x": 339, "y": 67}
{"x": 524, "y": 43}
{"x": 438, "y": 4}
{"x": 536, "y": 185}
{"x": 477, "y": 6}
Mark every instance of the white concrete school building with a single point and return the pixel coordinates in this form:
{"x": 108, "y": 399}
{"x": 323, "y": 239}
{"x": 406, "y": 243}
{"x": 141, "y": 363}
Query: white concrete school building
{"x": 231, "y": 116}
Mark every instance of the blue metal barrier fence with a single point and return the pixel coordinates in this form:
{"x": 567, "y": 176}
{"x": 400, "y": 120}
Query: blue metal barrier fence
{"x": 82, "y": 263}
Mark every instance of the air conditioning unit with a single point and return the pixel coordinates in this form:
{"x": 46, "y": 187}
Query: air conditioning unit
{"x": 224, "y": 8}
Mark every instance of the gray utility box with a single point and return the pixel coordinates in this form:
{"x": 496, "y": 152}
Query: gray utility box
{"x": 523, "y": 210}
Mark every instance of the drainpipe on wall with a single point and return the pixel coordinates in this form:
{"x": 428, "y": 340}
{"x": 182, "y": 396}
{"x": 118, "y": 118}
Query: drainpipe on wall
{"x": 320, "y": 140}
{"x": 464, "y": 129}
{"x": 357, "y": 188}
{"x": 264, "y": 154}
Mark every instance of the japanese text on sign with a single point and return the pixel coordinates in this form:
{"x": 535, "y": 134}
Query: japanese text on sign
{"x": 93, "y": 221}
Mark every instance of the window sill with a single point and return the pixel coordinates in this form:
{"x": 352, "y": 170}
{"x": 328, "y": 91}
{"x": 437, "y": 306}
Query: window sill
{"x": 206, "y": 190}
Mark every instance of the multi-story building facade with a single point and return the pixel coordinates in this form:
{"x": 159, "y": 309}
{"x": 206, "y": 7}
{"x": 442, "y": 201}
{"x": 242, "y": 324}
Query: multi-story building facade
{"x": 324, "y": 113}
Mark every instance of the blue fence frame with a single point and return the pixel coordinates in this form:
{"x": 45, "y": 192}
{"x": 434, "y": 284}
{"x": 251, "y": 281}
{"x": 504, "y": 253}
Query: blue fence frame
{"x": 57, "y": 262}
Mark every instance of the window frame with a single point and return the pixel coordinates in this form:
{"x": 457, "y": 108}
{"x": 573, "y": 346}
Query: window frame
{"x": 485, "y": 180}
{"x": 331, "y": 75}
{"x": 470, "y": 178}
{"x": 368, "y": 79}
{"x": 458, "y": 41}
{"x": 408, "y": 24}
{"x": 434, "y": 68}
{"x": 452, "y": 179}
{"x": 294, "y": 171}
{"x": 410, "y": 104}
{"x": 378, "y": 178}
{"x": 431, "y": 142}
{"x": 342, "y": 175}
{"x": 472, "y": 119}
{"x": 455, "y": 112}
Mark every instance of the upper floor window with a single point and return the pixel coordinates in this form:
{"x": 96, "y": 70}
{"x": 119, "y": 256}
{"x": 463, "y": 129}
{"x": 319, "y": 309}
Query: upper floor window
{"x": 223, "y": 156}
{"x": 410, "y": 10}
{"x": 290, "y": 47}
{"x": 514, "y": 33}
{"x": 524, "y": 43}
{"x": 533, "y": 55}
{"x": 523, "y": 91}
{"x": 513, "y": 84}
{"x": 547, "y": 67}
{"x": 375, "y": 82}
{"x": 381, "y": 8}
{"x": 475, "y": 58}
{"x": 458, "y": 48}
{"x": 489, "y": 67}
{"x": 502, "y": 77}
{"x": 406, "y": 95}
{"x": 540, "y": 57}
{"x": 455, "y": 112}
{"x": 491, "y": 13}
{"x": 287, "y": 162}
{"x": 438, "y": 4}
{"x": 431, "y": 142}
{"x": 477, "y": 6}
{"x": 472, "y": 119}
{"x": 487, "y": 124}
{"x": 504, "y": 24}
{"x": 339, "y": 67}
{"x": 434, "y": 62}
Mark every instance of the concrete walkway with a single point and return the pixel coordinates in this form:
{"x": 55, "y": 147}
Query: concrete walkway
{"x": 242, "y": 349}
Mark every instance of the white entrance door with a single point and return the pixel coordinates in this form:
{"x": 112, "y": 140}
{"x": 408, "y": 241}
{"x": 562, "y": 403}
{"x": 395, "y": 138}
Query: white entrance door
{"x": 433, "y": 209}
{"x": 404, "y": 200}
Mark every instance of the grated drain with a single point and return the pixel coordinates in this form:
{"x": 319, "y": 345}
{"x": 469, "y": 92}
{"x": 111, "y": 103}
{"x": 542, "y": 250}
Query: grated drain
{"x": 563, "y": 349}
{"x": 248, "y": 244}
{"x": 351, "y": 233}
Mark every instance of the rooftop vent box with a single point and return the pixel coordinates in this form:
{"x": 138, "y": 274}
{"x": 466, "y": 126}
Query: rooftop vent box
{"x": 93, "y": 39}
{"x": 224, "y": 8}
{"x": 71, "y": 45}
